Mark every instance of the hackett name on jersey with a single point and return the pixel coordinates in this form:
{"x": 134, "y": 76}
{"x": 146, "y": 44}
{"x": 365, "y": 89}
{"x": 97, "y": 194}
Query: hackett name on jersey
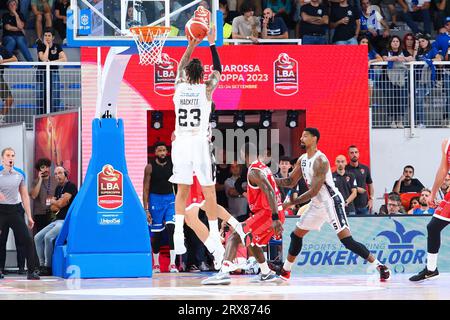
{"x": 189, "y": 102}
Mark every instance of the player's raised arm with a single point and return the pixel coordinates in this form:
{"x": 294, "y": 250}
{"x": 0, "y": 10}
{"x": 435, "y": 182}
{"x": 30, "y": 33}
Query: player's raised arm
{"x": 441, "y": 173}
{"x": 181, "y": 72}
{"x": 257, "y": 178}
{"x": 214, "y": 77}
{"x": 292, "y": 180}
{"x": 320, "y": 171}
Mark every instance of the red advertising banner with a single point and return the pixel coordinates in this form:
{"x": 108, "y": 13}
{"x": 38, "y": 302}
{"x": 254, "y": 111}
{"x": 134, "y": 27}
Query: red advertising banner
{"x": 56, "y": 138}
{"x": 329, "y": 82}
{"x": 263, "y": 76}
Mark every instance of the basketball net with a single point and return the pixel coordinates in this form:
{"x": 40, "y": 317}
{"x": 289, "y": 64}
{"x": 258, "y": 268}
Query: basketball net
{"x": 150, "y": 41}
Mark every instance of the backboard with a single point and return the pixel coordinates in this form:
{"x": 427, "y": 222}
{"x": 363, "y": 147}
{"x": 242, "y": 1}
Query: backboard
{"x": 101, "y": 23}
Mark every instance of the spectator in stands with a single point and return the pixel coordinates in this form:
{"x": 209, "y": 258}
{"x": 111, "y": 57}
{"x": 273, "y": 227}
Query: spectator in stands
{"x": 256, "y": 4}
{"x": 443, "y": 189}
{"x": 442, "y": 8}
{"x": 25, "y": 9}
{"x": 373, "y": 25}
{"x": 237, "y": 202}
{"x": 246, "y": 26}
{"x": 273, "y": 27}
{"x": 416, "y": 10}
{"x": 344, "y": 18}
{"x": 314, "y": 23}
{"x": 285, "y": 166}
{"x": 423, "y": 201}
{"x": 442, "y": 45}
{"x": 373, "y": 57}
{"x": 364, "y": 200}
{"x": 410, "y": 44}
{"x": 413, "y": 204}
{"x": 425, "y": 75}
{"x": 65, "y": 193}
{"x": 61, "y": 7}
{"x": 129, "y": 20}
{"x": 5, "y": 93}
{"x": 407, "y": 183}
{"x": 228, "y": 17}
{"x": 47, "y": 51}
{"x": 282, "y": 8}
{"x": 346, "y": 184}
{"x": 14, "y": 31}
{"x": 390, "y": 4}
{"x": 396, "y": 86}
{"x": 41, "y": 192}
{"x": 42, "y": 9}
{"x": 394, "y": 204}
{"x": 296, "y": 16}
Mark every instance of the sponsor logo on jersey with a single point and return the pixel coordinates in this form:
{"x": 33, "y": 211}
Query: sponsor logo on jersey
{"x": 285, "y": 71}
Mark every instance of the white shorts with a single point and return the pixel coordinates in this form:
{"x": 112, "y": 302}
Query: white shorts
{"x": 332, "y": 211}
{"x": 193, "y": 155}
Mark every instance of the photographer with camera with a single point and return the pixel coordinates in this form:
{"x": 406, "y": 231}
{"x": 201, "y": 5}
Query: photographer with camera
{"x": 42, "y": 191}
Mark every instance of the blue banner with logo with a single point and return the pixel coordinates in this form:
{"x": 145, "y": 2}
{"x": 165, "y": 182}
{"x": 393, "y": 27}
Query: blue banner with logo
{"x": 85, "y": 23}
{"x": 399, "y": 242}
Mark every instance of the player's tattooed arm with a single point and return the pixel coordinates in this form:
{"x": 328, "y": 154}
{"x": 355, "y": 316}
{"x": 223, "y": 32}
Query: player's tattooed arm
{"x": 212, "y": 83}
{"x": 181, "y": 72}
{"x": 320, "y": 167}
{"x": 293, "y": 178}
{"x": 214, "y": 77}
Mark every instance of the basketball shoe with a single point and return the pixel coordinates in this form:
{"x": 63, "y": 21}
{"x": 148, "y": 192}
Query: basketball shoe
{"x": 178, "y": 241}
{"x": 218, "y": 256}
{"x": 156, "y": 269}
{"x": 284, "y": 275}
{"x": 173, "y": 268}
{"x": 385, "y": 273}
{"x": 269, "y": 277}
{"x": 425, "y": 274}
{"x": 219, "y": 278}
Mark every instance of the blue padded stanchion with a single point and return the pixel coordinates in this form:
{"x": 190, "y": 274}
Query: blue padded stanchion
{"x": 105, "y": 234}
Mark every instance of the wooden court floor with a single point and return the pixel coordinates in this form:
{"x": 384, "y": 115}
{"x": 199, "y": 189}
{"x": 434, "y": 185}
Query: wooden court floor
{"x": 183, "y": 286}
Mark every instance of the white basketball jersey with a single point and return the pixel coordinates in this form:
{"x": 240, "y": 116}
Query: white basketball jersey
{"x": 328, "y": 190}
{"x": 192, "y": 110}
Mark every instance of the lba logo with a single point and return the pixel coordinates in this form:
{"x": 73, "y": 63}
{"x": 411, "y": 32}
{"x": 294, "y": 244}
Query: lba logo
{"x": 285, "y": 77}
{"x": 109, "y": 188}
{"x": 165, "y": 75}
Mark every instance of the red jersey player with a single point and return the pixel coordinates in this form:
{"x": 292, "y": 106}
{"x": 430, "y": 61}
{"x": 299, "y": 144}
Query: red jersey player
{"x": 268, "y": 216}
{"x": 195, "y": 202}
{"x": 440, "y": 220}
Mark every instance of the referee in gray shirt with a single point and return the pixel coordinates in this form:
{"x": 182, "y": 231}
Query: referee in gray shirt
{"x": 12, "y": 183}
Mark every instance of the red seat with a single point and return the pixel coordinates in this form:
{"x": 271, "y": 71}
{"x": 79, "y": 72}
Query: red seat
{"x": 406, "y": 198}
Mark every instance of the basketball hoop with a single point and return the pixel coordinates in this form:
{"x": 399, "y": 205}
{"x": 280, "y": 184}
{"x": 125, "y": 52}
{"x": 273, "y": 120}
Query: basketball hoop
{"x": 150, "y": 41}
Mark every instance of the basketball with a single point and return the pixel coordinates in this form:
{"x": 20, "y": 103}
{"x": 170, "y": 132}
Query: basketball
{"x": 198, "y": 25}
{"x": 196, "y": 29}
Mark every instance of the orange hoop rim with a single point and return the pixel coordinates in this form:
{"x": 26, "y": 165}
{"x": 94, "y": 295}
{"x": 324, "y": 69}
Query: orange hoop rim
{"x": 146, "y": 33}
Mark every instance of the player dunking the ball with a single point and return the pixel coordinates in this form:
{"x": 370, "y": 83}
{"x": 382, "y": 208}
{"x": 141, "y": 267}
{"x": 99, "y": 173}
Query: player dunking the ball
{"x": 327, "y": 204}
{"x": 440, "y": 219}
{"x": 264, "y": 200}
{"x": 191, "y": 149}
